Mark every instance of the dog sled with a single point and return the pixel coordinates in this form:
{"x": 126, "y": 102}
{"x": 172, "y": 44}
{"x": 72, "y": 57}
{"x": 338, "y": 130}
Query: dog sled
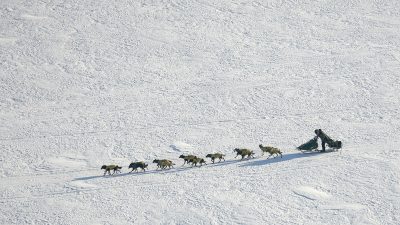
{"x": 312, "y": 145}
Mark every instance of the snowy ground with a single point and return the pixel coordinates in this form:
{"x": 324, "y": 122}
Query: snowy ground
{"x": 87, "y": 83}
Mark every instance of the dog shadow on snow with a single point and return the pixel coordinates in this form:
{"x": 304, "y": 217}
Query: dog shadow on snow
{"x": 285, "y": 157}
{"x": 227, "y": 162}
{"x": 243, "y": 163}
{"x": 140, "y": 173}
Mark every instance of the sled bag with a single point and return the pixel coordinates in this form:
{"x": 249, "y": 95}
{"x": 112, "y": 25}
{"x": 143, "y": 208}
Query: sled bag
{"x": 335, "y": 144}
{"x": 310, "y": 145}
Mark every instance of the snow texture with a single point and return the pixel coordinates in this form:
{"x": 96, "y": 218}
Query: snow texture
{"x": 87, "y": 83}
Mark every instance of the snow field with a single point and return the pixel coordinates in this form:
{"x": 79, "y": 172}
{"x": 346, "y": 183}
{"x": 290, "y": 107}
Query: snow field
{"x": 87, "y": 83}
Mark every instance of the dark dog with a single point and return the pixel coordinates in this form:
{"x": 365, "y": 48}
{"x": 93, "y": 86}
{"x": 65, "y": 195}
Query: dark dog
{"x": 136, "y": 165}
{"x": 114, "y": 168}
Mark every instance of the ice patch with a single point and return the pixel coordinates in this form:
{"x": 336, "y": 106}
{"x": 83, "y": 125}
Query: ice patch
{"x": 311, "y": 193}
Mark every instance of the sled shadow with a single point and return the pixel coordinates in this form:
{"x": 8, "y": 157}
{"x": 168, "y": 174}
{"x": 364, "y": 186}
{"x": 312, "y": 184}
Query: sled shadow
{"x": 285, "y": 157}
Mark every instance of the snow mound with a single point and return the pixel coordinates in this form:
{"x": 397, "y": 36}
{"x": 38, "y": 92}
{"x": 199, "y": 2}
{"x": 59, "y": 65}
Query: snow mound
{"x": 311, "y": 193}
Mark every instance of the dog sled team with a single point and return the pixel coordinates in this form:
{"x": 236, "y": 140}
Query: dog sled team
{"x": 243, "y": 152}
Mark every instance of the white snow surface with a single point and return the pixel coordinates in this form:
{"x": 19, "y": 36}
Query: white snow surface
{"x": 87, "y": 83}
